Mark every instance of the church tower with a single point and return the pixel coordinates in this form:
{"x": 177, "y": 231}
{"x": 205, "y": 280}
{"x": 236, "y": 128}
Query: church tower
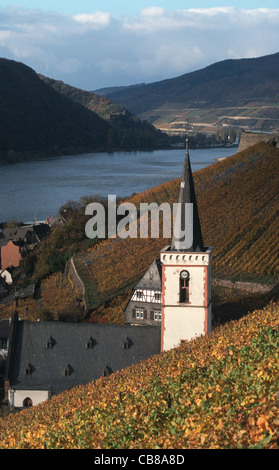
{"x": 186, "y": 272}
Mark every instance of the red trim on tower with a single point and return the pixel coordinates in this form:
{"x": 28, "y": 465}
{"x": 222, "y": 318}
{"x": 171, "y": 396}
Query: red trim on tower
{"x": 205, "y": 300}
{"x": 162, "y": 307}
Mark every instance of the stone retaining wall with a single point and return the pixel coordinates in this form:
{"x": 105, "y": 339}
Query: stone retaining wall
{"x": 251, "y": 138}
{"x": 72, "y": 272}
{"x": 252, "y": 287}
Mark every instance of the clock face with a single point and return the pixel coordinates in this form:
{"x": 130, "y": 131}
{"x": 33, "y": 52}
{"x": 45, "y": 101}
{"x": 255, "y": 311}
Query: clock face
{"x": 184, "y": 274}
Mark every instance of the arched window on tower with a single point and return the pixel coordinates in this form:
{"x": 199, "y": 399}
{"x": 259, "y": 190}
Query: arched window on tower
{"x": 184, "y": 287}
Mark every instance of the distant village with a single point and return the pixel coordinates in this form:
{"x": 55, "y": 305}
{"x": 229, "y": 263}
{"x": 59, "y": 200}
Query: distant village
{"x": 17, "y": 241}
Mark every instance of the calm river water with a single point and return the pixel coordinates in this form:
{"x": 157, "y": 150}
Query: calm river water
{"x": 38, "y": 189}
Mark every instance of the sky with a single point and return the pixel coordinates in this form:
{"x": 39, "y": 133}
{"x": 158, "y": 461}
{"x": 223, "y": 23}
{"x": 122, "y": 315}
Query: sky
{"x": 92, "y": 44}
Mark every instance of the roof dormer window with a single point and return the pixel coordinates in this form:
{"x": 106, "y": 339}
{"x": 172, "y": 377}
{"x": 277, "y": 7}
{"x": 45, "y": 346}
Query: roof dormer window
{"x": 90, "y": 343}
{"x": 28, "y": 369}
{"x": 107, "y": 371}
{"x": 127, "y": 343}
{"x": 68, "y": 370}
{"x": 50, "y": 343}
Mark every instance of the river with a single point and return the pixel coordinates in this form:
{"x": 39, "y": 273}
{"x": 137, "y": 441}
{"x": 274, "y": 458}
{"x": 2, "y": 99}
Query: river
{"x": 37, "y": 189}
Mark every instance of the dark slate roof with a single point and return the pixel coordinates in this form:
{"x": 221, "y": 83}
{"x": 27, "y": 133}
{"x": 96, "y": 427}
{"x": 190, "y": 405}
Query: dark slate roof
{"x": 187, "y": 195}
{"x": 41, "y": 230}
{"x": 24, "y": 293}
{"x": 19, "y": 233}
{"x": 15, "y": 234}
{"x": 3, "y": 242}
{"x": 152, "y": 278}
{"x": 70, "y": 351}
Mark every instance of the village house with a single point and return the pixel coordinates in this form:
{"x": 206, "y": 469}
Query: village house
{"x": 144, "y": 307}
{"x": 16, "y": 242}
{"x": 46, "y": 358}
{"x": 7, "y": 276}
{"x": 11, "y": 254}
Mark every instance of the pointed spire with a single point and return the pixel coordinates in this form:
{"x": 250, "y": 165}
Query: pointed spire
{"x": 187, "y": 220}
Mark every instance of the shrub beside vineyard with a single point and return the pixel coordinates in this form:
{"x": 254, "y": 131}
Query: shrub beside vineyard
{"x": 218, "y": 391}
{"x": 58, "y": 298}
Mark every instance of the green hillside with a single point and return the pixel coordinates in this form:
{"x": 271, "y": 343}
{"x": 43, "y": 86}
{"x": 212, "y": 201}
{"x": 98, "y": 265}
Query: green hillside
{"x": 39, "y": 120}
{"x": 126, "y": 129}
{"x": 240, "y": 93}
{"x": 36, "y": 120}
{"x": 97, "y": 103}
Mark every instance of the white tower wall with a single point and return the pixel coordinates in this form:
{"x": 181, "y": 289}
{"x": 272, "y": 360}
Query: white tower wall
{"x": 185, "y": 321}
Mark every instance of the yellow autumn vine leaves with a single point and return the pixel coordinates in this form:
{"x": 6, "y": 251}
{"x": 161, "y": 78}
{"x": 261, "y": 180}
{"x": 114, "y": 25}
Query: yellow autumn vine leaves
{"x": 218, "y": 391}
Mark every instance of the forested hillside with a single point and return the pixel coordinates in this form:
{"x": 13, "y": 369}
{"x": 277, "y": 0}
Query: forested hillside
{"x": 126, "y": 129}
{"x": 36, "y": 120}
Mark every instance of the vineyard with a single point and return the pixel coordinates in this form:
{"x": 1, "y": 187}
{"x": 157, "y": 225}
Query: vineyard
{"x": 238, "y": 203}
{"x": 218, "y": 391}
{"x": 58, "y": 298}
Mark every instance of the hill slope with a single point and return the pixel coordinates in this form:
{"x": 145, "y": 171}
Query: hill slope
{"x": 239, "y": 206}
{"x": 239, "y": 93}
{"x": 126, "y": 130}
{"x": 97, "y": 103}
{"x": 36, "y": 120}
{"x": 39, "y": 118}
{"x": 219, "y": 391}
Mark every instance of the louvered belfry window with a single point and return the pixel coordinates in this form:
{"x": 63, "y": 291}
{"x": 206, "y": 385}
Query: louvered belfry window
{"x": 184, "y": 287}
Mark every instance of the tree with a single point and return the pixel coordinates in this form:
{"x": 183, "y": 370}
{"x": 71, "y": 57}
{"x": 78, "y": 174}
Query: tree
{"x": 12, "y": 223}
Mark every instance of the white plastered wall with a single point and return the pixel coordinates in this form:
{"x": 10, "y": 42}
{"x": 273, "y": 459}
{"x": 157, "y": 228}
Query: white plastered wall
{"x": 182, "y": 323}
{"x": 17, "y": 397}
{"x": 185, "y": 321}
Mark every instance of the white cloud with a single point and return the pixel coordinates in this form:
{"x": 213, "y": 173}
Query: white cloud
{"x": 95, "y": 50}
{"x": 96, "y": 20}
{"x": 153, "y": 12}
{"x": 212, "y": 11}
